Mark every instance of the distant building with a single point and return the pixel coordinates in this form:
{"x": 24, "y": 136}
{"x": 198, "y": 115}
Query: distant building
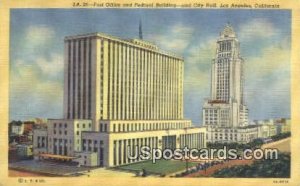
{"x": 231, "y": 135}
{"x": 226, "y": 106}
{"x": 24, "y": 151}
{"x": 225, "y": 113}
{"x": 17, "y": 129}
{"x": 118, "y": 93}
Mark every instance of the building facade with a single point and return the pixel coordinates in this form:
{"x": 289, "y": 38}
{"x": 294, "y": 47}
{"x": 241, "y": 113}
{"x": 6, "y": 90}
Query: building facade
{"x": 226, "y": 106}
{"x": 232, "y": 135}
{"x": 119, "y": 93}
{"x": 225, "y": 113}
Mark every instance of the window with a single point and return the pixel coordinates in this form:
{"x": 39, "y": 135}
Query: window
{"x": 54, "y": 125}
{"x": 54, "y": 131}
{"x": 66, "y": 125}
{"x": 90, "y": 125}
{"x": 105, "y": 127}
{"x": 83, "y": 126}
{"x": 77, "y": 125}
{"x": 101, "y": 127}
{"x": 77, "y": 132}
{"x": 60, "y": 125}
{"x": 66, "y": 132}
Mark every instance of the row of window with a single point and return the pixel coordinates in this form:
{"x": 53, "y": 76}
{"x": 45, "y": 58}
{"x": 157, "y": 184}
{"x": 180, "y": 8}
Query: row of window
{"x": 116, "y": 50}
{"x": 146, "y": 126}
{"x": 60, "y": 125}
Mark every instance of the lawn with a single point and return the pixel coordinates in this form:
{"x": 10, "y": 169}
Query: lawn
{"x": 160, "y": 167}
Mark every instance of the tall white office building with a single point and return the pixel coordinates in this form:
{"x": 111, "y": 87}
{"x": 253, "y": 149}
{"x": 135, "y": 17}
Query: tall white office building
{"x": 118, "y": 93}
{"x": 226, "y": 107}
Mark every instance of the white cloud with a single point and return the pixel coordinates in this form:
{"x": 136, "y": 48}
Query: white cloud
{"x": 51, "y": 67}
{"x": 267, "y": 86}
{"x": 272, "y": 58}
{"x": 256, "y": 29}
{"x": 198, "y": 65}
{"x": 38, "y": 35}
{"x": 26, "y": 81}
{"x": 175, "y": 38}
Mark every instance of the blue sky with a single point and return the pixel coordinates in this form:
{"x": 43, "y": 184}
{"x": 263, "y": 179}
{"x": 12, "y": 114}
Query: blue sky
{"x": 36, "y": 53}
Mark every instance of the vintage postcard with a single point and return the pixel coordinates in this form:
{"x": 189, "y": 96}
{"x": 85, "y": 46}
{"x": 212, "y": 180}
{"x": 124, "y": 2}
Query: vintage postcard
{"x": 152, "y": 93}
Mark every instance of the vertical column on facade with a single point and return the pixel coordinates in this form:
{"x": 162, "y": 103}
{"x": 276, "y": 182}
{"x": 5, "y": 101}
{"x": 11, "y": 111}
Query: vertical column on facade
{"x": 195, "y": 140}
{"x": 161, "y": 109}
{"x": 109, "y": 65}
{"x": 148, "y": 89}
{"x": 66, "y": 78}
{"x": 134, "y": 150}
{"x": 150, "y": 92}
{"x": 130, "y": 84}
{"x": 74, "y": 78}
{"x": 114, "y": 84}
{"x": 151, "y": 105}
{"x": 121, "y": 82}
{"x": 203, "y": 139}
{"x": 119, "y": 79}
{"x": 143, "y": 78}
{"x": 176, "y": 89}
{"x": 80, "y": 78}
{"x": 129, "y": 153}
{"x": 120, "y": 152}
{"x": 138, "y": 148}
{"x": 71, "y": 94}
{"x": 124, "y": 151}
{"x": 154, "y": 84}
{"x": 167, "y": 73}
{"x": 141, "y": 73}
{"x": 84, "y": 79}
{"x": 169, "y": 88}
{"x": 104, "y": 80}
{"x": 143, "y": 83}
{"x": 117, "y": 152}
{"x": 145, "y": 91}
{"x": 191, "y": 141}
{"x": 163, "y": 87}
{"x": 138, "y": 84}
{"x": 173, "y": 90}
{"x": 160, "y": 84}
{"x": 126, "y": 83}
{"x": 98, "y": 74}
{"x": 134, "y": 85}
{"x": 147, "y": 77}
{"x": 77, "y": 79}
{"x": 200, "y": 140}
{"x": 181, "y": 91}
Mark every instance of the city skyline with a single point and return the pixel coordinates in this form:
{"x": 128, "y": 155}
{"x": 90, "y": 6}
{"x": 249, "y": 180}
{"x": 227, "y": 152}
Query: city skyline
{"x": 37, "y": 70}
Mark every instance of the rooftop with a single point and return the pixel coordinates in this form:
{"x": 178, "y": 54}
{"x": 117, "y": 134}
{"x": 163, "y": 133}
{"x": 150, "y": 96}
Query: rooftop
{"x": 134, "y": 42}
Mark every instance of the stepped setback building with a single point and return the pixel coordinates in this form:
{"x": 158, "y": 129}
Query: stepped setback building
{"x": 117, "y": 93}
{"x": 225, "y": 114}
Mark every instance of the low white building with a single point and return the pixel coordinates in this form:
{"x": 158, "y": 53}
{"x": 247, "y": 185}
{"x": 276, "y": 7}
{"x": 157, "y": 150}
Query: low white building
{"x": 266, "y": 130}
{"x": 230, "y": 135}
{"x": 86, "y": 159}
{"x": 17, "y": 129}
